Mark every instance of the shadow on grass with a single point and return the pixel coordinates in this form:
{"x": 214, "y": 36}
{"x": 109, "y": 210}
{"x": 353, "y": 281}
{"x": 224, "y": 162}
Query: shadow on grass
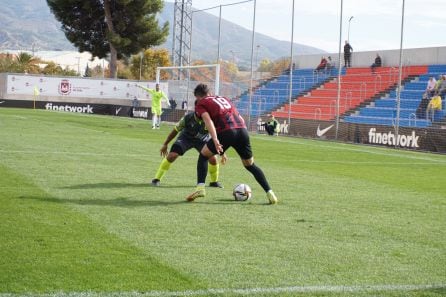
{"x": 119, "y": 201}
{"x": 120, "y": 186}
{"x": 131, "y": 202}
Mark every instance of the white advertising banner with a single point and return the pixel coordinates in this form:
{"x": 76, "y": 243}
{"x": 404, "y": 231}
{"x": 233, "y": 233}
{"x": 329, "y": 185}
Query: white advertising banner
{"x": 31, "y": 85}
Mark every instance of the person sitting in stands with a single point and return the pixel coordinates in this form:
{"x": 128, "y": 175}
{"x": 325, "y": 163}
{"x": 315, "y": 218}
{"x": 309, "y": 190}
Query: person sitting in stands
{"x": 271, "y": 126}
{"x": 442, "y": 86}
{"x": 422, "y": 107}
{"x": 322, "y": 65}
{"x": 430, "y": 88}
{"x": 434, "y": 104}
{"x": 377, "y": 63}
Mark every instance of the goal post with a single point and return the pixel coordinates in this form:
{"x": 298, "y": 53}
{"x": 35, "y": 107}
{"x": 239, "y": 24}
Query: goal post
{"x": 216, "y": 66}
{"x": 182, "y": 79}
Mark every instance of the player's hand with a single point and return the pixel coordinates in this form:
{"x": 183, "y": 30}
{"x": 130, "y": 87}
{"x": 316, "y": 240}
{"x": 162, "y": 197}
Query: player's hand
{"x": 223, "y": 159}
{"x": 218, "y": 147}
{"x": 163, "y": 150}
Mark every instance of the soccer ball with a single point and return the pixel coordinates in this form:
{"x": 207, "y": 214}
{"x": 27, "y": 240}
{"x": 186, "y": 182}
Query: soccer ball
{"x": 242, "y": 192}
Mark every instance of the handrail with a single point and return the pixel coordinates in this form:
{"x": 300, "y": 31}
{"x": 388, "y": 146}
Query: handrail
{"x": 415, "y": 119}
{"x": 380, "y": 82}
{"x": 317, "y": 112}
{"x": 348, "y": 100}
{"x": 360, "y": 90}
{"x": 333, "y": 103}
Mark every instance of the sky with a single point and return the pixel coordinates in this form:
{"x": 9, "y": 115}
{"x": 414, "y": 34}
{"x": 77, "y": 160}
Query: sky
{"x": 376, "y": 24}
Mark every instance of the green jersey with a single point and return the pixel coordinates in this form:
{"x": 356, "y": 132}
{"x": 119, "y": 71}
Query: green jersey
{"x": 156, "y": 96}
{"x": 192, "y": 127}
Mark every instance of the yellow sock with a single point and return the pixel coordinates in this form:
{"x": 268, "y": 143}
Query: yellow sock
{"x": 214, "y": 172}
{"x": 164, "y": 167}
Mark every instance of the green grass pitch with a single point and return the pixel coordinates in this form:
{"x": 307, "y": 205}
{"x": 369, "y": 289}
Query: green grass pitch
{"x": 78, "y": 216}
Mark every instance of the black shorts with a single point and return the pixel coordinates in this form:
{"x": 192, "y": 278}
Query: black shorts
{"x": 183, "y": 143}
{"x": 236, "y": 138}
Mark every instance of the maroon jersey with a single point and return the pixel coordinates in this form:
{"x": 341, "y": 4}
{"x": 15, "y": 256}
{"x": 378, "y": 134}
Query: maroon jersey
{"x": 224, "y": 115}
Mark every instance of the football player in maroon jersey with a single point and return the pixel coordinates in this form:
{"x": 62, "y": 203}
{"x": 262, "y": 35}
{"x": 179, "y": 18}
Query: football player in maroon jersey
{"x": 227, "y": 129}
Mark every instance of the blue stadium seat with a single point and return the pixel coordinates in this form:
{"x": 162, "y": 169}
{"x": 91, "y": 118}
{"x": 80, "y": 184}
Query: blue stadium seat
{"x": 383, "y": 111}
{"x": 276, "y": 92}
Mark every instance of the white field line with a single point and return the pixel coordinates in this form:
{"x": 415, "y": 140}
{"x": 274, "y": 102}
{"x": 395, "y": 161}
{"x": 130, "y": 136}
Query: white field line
{"x": 243, "y": 292}
{"x": 423, "y": 161}
{"x": 384, "y": 151}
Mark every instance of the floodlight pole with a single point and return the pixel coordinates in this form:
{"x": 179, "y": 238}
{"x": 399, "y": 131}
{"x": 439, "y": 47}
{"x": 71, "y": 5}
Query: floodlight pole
{"x": 291, "y": 66}
{"x": 252, "y": 62}
{"x": 338, "y": 97}
{"x": 348, "y": 34}
{"x": 398, "y": 93}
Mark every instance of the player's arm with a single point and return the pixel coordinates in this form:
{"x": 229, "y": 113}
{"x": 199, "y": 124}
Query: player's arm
{"x": 212, "y": 131}
{"x": 144, "y": 88}
{"x": 172, "y": 135}
{"x": 165, "y": 98}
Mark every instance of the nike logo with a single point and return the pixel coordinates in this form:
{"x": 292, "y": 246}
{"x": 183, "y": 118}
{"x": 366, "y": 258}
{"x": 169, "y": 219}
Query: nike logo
{"x": 118, "y": 110}
{"x": 320, "y": 132}
{"x": 1, "y": 102}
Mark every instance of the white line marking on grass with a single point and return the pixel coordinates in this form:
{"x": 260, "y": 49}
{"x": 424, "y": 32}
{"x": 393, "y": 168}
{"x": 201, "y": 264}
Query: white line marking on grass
{"x": 243, "y": 292}
{"x": 384, "y": 151}
{"x": 146, "y": 155}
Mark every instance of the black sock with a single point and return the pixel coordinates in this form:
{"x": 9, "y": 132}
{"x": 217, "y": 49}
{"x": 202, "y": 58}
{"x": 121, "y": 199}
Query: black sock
{"x": 259, "y": 176}
{"x": 202, "y": 169}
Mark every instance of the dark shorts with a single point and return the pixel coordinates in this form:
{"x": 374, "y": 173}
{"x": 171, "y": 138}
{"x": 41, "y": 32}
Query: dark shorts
{"x": 183, "y": 143}
{"x": 236, "y": 138}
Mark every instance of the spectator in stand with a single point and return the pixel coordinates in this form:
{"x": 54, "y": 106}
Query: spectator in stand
{"x": 347, "y": 54}
{"x": 442, "y": 86}
{"x": 271, "y": 126}
{"x": 322, "y": 64}
{"x": 330, "y": 64}
{"x": 438, "y": 83}
{"x": 377, "y": 63}
{"x": 430, "y": 88}
{"x": 434, "y": 104}
{"x": 422, "y": 107}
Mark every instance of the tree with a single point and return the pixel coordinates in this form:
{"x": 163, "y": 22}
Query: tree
{"x": 265, "y": 65}
{"x": 116, "y": 27}
{"x": 151, "y": 59}
{"x": 26, "y": 63}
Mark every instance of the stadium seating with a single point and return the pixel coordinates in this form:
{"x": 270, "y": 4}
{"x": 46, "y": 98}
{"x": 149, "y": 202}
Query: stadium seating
{"x": 358, "y": 86}
{"x": 275, "y": 92}
{"x": 383, "y": 111}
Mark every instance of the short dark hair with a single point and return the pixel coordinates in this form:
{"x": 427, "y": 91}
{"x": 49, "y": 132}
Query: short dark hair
{"x": 201, "y": 90}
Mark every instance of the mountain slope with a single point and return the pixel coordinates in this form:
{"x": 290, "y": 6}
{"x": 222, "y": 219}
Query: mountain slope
{"x": 30, "y": 25}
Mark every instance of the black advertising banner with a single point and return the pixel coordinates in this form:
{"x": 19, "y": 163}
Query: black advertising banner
{"x": 89, "y": 108}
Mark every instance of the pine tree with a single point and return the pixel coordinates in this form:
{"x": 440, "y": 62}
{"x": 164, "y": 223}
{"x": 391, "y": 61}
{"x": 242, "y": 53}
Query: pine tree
{"x": 116, "y": 27}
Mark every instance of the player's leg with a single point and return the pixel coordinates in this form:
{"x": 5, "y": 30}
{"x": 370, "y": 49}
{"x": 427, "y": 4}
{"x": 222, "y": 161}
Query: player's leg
{"x": 180, "y": 146}
{"x": 154, "y": 120}
{"x": 158, "y": 120}
{"x": 214, "y": 172}
{"x": 202, "y": 171}
{"x": 164, "y": 167}
{"x": 213, "y": 166}
{"x": 243, "y": 148}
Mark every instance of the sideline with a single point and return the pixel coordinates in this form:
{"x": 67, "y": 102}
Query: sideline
{"x": 243, "y": 292}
